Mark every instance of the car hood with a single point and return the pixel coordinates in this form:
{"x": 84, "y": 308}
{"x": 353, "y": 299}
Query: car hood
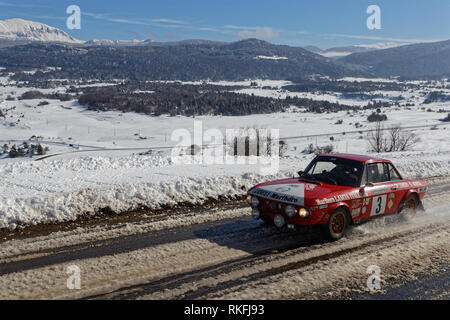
{"x": 295, "y": 191}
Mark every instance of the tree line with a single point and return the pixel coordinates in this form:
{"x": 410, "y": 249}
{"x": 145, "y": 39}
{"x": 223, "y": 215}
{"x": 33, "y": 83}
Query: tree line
{"x": 191, "y": 100}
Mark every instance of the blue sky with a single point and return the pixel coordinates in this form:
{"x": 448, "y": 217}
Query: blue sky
{"x": 324, "y": 23}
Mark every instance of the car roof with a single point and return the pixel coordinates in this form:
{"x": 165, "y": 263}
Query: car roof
{"x": 355, "y": 157}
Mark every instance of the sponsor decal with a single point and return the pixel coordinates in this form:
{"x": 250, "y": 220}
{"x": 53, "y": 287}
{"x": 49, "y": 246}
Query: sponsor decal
{"x": 293, "y": 194}
{"x": 356, "y": 212}
{"x": 323, "y": 206}
{"x": 391, "y": 195}
{"x": 283, "y": 189}
{"x": 310, "y": 186}
{"x": 356, "y": 203}
{"x": 404, "y": 185}
{"x": 366, "y": 201}
{"x": 390, "y": 203}
{"x": 339, "y": 197}
{"x": 364, "y": 209}
{"x": 379, "y": 190}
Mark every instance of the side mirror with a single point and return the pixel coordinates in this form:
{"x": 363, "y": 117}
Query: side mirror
{"x": 362, "y": 190}
{"x": 300, "y": 172}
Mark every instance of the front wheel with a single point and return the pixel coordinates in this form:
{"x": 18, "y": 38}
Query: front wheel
{"x": 336, "y": 226}
{"x": 266, "y": 222}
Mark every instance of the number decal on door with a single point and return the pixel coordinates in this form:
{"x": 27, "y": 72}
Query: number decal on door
{"x": 378, "y": 205}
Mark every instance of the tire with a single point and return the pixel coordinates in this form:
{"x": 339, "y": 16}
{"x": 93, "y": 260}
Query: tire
{"x": 411, "y": 206}
{"x": 337, "y": 225}
{"x": 266, "y": 222}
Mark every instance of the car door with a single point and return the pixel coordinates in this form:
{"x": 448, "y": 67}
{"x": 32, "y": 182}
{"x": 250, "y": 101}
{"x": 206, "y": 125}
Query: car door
{"x": 378, "y": 178}
{"x": 396, "y": 189}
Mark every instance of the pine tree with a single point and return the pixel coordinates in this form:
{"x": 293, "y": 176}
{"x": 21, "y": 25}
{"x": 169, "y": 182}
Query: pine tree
{"x": 20, "y": 152}
{"x": 40, "y": 150}
{"x": 13, "y": 152}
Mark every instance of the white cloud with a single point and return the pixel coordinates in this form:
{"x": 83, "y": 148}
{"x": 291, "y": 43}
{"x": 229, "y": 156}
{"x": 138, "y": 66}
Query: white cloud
{"x": 351, "y": 36}
{"x": 164, "y": 20}
{"x": 364, "y": 37}
{"x": 255, "y": 32}
{"x": 158, "y": 22}
{"x": 16, "y": 5}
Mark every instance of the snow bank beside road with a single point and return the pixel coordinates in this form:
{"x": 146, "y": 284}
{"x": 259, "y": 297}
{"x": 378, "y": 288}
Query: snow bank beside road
{"x": 62, "y": 190}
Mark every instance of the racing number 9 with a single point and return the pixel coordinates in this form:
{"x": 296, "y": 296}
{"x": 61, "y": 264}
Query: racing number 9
{"x": 378, "y": 205}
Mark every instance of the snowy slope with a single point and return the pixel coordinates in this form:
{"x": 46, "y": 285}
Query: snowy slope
{"x": 20, "y": 29}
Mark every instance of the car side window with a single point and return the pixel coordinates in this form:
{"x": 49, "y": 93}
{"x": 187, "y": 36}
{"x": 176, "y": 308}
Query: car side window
{"x": 393, "y": 174}
{"x": 377, "y": 172}
{"x": 364, "y": 177}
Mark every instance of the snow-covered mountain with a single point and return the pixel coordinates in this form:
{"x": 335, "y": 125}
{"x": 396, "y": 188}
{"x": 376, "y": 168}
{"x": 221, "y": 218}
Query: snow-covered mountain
{"x": 107, "y": 42}
{"x": 25, "y": 30}
{"x": 414, "y": 60}
{"x": 347, "y": 50}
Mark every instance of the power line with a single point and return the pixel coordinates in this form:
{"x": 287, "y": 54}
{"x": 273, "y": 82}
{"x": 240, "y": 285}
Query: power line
{"x": 221, "y": 144}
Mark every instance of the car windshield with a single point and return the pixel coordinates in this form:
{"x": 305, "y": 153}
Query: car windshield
{"x": 334, "y": 170}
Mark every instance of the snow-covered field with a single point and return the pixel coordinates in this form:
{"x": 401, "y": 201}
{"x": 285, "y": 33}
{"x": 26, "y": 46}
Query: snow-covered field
{"x": 92, "y": 170}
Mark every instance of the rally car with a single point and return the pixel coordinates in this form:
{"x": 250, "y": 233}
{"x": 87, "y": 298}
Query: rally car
{"x": 334, "y": 191}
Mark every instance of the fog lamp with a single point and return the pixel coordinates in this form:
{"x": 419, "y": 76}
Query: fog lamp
{"x": 279, "y": 221}
{"x": 254, "y": 202}
{"x": 255, "y": 214}
{"x": 290, "y": 211}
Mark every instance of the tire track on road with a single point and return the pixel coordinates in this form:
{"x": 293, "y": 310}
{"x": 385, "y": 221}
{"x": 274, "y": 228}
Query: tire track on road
{"x": 176, "y": 281}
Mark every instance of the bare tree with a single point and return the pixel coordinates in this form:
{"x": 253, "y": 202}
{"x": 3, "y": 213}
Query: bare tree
{"x": 394, "y": 139}
{"x": 397, "y": 139}
{"x": 376, "y": 139}
{"x": 407, "y": 141}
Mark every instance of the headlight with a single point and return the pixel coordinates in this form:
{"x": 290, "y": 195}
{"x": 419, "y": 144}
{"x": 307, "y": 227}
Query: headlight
{"x": 303, "y": 213}
{"x": 255, "y": 213}
{"x": 290, "y": 211}
{"x": 249, "y": 199}
{"x": 254, "y": 202}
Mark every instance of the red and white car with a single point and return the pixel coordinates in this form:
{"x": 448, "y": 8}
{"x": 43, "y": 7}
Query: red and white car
{"x": 336, "y": 190}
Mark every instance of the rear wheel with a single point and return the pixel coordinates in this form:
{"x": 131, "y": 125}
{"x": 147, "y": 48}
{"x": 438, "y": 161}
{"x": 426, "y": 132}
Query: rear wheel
{"x": 337, "y": 225}
{"x": 411, "y": 205}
